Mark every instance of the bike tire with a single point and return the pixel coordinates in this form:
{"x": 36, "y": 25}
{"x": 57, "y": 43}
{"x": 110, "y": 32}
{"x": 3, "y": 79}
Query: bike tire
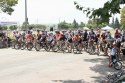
{"x": 29, "y": 46}
{"x": 17, "y": 46}
{"x": 23, "y": 46}
{"x": 37, "y": 47}
{"x": 118, "y": 65}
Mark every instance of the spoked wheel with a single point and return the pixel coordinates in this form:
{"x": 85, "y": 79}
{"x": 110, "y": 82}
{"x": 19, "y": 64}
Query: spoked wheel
{"x": 29, "y": 46}
{"x": 37, "y": 47}
{"x": 86, "y": 48}
{"x": 74, "y": 49}
{"x": 47, "y": 48}
{"x": 23, "y": 46}
{"x": 13, "y": 45}
{"x": 64, "y": 48}
{"x": 92, "y": 50}
{"x": 69, "y": 48}
{"x": 17, "y": 46}
{"x": 118, "y": 65}
{"x": 97, "y": 51}
{"x": 55, "y": 48}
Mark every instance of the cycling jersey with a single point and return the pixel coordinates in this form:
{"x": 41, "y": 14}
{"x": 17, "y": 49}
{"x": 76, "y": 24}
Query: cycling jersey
{"x": 113, "y": 51}
{"x": 76, "y": 38}
{"x": 85, "y": 35}
{"x": 38, "y": 36}
{"x": 92, "y": 35}
{"x": 117, "y": 34}
{"x": 29, "y": 38}
{"x": 62, "y": 37}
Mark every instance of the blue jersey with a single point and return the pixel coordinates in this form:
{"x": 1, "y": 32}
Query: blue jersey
{"x": 92, "y": 35}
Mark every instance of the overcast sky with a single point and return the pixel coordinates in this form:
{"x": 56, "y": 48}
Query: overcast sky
{"x": 50, "y": 11}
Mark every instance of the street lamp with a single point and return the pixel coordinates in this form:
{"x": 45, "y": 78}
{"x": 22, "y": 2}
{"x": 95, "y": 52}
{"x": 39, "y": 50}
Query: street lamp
{"x": 26, "y": 18}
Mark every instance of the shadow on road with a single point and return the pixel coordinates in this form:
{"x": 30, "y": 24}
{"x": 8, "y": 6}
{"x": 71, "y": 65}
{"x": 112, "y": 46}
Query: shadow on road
{"x": 69, "y": 81}
{"x": 101, "y": 68}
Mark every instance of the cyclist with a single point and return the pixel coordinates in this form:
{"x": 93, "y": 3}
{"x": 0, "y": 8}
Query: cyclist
{"x": 118, "y": 44}
{"x": 29, "y": 37}
{"x": 17, "y": 35}
{"x": 85, "y": 36}
{"x": 38, "y": 34}
{"x": 117, "y": 34}
{"x": 69, "y": 36}
{"x": 70, "y": 40}
{"x": 77, "y": 41}
{"x": 92, "y": 38}
{"x": 113, "y": 54}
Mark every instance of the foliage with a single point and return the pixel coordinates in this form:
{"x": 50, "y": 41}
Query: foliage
{"x": 64, "y": 25}
{"x": 3, "y": 27}
{"x": 75, "y": 24}
{"x": 113, "y": 23}
{"x": 110, "y": 8}
{"x": 34, "y": 26}
{"x": 117, "y": 24}
{"x": 95, "y": 23}
{"x": 82, "y": 24}
{"x": 123, "y": 17}
{"x": 6, "y": 6}
{"x": 14, "y": 27}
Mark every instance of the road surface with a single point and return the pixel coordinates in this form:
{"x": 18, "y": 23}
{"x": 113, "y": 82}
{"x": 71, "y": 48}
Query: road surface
{"x": 22, "y": 66}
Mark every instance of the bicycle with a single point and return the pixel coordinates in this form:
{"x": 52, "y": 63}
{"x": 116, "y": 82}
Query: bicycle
{"x": 114, "y": 78}
{"x": 116, "y": 63}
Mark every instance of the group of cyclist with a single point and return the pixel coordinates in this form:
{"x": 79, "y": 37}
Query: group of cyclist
{"x": 99, "y": 38}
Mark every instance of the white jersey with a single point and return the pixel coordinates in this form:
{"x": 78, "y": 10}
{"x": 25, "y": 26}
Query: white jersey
{"x": 17, "y": 35}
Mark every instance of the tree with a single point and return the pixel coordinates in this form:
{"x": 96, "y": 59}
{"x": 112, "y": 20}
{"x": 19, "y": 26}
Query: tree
{"x": 75, "y": 24}
{"x": 117, "y": 24}
{"x": 94, "y": 23}
{"x": 123, "y": 17}
{"x": 14, "y": 27}
{"x": 82, "y": 24}
{"x": 6, "y": 6}
{"x": 113, "y": 23}
{"x": 34, "y": 26}
{"x": 64, "y": 25}
{"x": 110, "y": 8}
{"x": 3, "y": 27}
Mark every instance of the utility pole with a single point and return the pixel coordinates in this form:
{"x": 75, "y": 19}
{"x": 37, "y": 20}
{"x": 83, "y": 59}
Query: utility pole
{"x": 26, "y": 18}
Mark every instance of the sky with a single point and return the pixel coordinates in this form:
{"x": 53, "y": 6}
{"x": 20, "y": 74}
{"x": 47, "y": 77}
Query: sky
{"x": 50, "y": 11}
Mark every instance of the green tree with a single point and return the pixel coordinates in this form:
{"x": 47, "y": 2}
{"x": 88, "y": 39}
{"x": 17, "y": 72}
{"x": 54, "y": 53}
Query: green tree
{"x": 82, "y": 25}
{"x": 117, "y": 24}
{"x": 3, "y": 27}
{"x": 75, "y": 24}
{"x": 34, "y": 26}
{"x": 123, "y": 17}
{"x": 94, "y": 23}
{"x": 110, "y": 8}
{"x": 113, "y": 23}
{"x": 14, "y": 27}
{"x": 65, "y": 25}
{"x": 7, "y": 6}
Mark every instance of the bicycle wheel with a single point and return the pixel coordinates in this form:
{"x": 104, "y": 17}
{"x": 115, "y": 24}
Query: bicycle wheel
{"x": 97, "y": 51}
{"x": 118, "y": 65}
{"x": 37, "y": 47}
{"x": 75, "y": 49}
{"x": 55, "y": 48}
{"x": 29, "y": 46}
{"x": 23, "y": 46}
{"x": 47, "y": 48}
{"x": 17, "y": 46}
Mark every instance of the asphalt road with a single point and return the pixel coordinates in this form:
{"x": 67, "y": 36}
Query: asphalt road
{"x": 22, "y": 66}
